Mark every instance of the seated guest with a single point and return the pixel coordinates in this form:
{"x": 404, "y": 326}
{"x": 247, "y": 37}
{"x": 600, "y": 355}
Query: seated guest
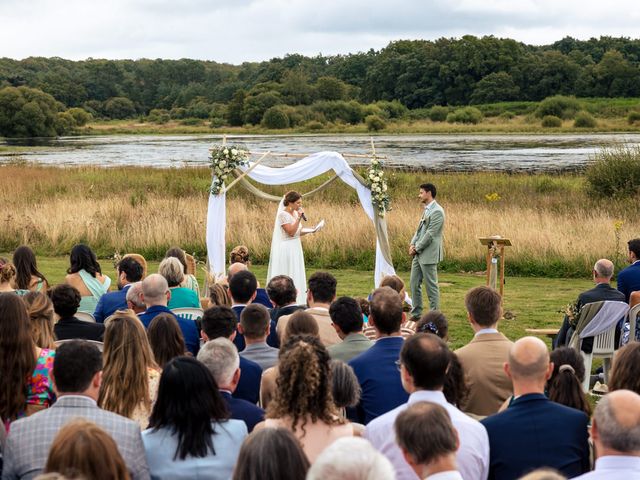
{"x": 242, "y": 288}
{"x": 134, "y": 298}
{"x": 352, "y": 458}
{"x": 7, "y": 277}
{"x": 344, "y": 386}
{"x": 615, "y": 432}
{"x": 219, "y": 295}
{"x": 534, "y": 431}
{"x": 271, "y": 454}
{"x": 424, "y": 360}
{"x": 189, "y": 281}
{"x": 181, "y": 297}
{"x": 130, "y": 377}
{"x": 624, "y": 371}
{"x": 483, "y": 357}
{"x": 347, "y": 320}
{"x": 396, "y": 283}
{"x": 238, "y": 261}
{"x": 156, "y": 295}
{"x": 40, "y": 310}
{"x": 82, "y": 448}
{"x": 565, "y": 384}
{"x": 66, "y": 301}
{"x": 220, "y": 322}
{"x": 77, "y": 371}
{"x": 321, "y": 292}
{"x": 602, "y": 273}
{"x": 190, "y": 435}
{"x": 129, "y": 271}
{"x": 376, "y": 368}
{"x": 254, "y": 325}
{"x": 221, "y": 357}
{"x": 301, "y": 323}
{"x": 302, "y": 402}
{"x": 455, "y": 388}
{"x": 165, "y": 339}
{"x": 282, "y": 294}
{"x": 28, "y": 277}
{"x": 85, "y": 275}
{"x": 629, "y": 278}
{"x": 428, "y": 441}
{"x": 25, "y": 369}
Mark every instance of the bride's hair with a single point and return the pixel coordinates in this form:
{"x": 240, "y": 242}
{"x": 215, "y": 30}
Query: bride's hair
{"x": 291, "y": 197}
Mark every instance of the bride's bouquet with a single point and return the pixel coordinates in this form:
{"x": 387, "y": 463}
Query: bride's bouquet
{"x": 224, "y": 159}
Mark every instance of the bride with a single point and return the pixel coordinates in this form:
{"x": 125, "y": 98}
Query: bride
{"x": 286, "y": 248}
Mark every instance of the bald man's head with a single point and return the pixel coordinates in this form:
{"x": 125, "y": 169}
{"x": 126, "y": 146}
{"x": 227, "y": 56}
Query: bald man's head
{"x": 529, "y": 359}
{"x": 154, "y": 290}
{"x": 617, "y": 419}
{"x": 604, "y": 269}
{"x": 235, "y": 268}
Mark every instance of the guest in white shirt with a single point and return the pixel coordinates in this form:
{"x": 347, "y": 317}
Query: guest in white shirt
{"x": 615, "y": 432}
{"x": 428, "y": 441}
{"x": 424, "y": 360}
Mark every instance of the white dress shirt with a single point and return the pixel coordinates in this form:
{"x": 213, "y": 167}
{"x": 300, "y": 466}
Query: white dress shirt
{"x": 472, "y": 456}
{"x": 614, "y": 467}
{"x": 450, "y": 475}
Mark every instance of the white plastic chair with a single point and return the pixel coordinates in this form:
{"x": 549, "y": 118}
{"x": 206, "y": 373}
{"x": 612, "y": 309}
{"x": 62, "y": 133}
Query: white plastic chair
{"x": 189, "y": 313}
{"x": 632, "y": 317}
{"x": 85, "y": 317}
{"x": 603, "y": 347}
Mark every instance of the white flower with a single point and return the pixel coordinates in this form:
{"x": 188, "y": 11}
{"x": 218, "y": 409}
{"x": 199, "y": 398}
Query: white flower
{"x": 234, "y": 151}
{"x": 384, "y": 188}
{"x": 222, "y": 163}
{"x": 372, "y": 176}
{"x": 224, "y": 177}
{"x": 376, "y": 179}
{"x": 226, "y": 151}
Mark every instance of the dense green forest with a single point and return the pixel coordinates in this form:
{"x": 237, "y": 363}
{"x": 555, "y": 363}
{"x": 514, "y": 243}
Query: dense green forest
{"x": 406, "y": 76}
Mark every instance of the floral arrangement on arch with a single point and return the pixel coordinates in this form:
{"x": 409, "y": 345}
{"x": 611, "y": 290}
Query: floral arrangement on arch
{"x": 224, "y": 159}
{"x": 378, "y": 185}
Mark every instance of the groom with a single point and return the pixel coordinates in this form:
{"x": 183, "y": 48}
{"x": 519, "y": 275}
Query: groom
{"x": 426, "y": 250}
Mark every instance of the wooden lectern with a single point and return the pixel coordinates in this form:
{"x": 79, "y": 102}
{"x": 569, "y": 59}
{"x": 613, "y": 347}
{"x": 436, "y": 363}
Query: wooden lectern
{"x": 495, "y": 251}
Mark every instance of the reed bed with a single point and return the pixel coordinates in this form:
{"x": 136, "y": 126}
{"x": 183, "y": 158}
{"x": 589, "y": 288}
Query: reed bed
{"x": 557, "y": 227}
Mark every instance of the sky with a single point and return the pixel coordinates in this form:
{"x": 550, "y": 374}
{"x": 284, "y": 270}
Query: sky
{"x": 236, "y": 31}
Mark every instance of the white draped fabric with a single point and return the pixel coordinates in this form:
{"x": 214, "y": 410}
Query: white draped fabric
{"x": 305, "y": 169}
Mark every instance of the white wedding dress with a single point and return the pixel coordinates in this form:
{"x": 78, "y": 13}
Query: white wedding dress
{"x": 286, "y": 254}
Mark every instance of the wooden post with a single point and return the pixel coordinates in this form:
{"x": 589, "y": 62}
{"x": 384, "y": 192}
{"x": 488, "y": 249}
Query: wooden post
{"x": 494, "y": 245}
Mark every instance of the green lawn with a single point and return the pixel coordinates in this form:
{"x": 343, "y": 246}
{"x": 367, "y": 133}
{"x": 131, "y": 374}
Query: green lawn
{"x": 532, "y": 302}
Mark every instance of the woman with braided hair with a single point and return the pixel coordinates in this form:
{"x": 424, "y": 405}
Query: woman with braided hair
{"x": 303, "y": 402}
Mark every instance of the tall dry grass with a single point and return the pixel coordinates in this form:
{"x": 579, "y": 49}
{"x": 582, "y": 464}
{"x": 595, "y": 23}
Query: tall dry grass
{"x": 556, "y": 231}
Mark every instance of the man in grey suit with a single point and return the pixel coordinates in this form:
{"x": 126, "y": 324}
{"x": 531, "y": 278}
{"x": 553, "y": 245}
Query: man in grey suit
{"x": 346, "y": 318}
{"x": 77, "y": 375}
{"x": 255, "y": 326}
{"x": 426, "y": 250}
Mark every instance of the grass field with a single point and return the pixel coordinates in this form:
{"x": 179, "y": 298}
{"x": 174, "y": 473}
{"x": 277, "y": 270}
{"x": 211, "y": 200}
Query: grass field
{"x": 531, "y": 302}
{"x": 558, "y": 227}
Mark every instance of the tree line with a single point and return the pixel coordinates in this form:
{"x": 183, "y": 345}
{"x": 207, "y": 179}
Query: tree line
{"x": 405, "y": 75}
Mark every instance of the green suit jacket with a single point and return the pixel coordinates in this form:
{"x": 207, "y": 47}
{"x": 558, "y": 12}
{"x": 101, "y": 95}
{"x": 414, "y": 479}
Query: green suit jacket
{"x": 428, "y": 236}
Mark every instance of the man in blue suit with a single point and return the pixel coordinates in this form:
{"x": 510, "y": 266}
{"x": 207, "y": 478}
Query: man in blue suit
{"x": 629, "y": 278}
{"x": 242, "y": 289}
{"x": 221, "y": 322}
{"x": 129, "y": 271}
{"x": 535, "y": 432}
{"x": 156, "y": 295}
{"x": 377, "y": 368}
{"x": 221, "y": 357}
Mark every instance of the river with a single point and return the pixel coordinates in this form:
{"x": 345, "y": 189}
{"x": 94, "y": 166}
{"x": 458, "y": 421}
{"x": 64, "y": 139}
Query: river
{"x": 521, "y": 152}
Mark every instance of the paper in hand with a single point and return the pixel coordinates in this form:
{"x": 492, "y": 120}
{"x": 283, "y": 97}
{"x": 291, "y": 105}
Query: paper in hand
{"x": 318, "y": 227}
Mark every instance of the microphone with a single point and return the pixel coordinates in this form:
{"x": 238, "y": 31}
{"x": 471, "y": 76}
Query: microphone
{"x": 304, "y": 217}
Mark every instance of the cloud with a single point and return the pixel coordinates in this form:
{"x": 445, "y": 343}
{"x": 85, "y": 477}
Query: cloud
{"x": 248, "y": 30}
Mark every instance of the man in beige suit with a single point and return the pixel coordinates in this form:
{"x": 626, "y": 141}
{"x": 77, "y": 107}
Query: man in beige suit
{"x": 483, "y": 357}
{"x": 321, "y": 292}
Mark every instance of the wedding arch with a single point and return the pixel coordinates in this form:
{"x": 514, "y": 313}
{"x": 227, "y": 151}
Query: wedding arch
{"x": 232, "y": 161}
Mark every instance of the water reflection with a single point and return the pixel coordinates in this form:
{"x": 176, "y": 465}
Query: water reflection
{"x": 433, "y": 152}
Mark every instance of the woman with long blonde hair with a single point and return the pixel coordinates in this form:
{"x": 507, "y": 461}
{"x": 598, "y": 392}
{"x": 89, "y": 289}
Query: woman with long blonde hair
{"x": 303, "y": 402}
{"x": 40, "y": 310}
{"x": 130, "y": 376}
